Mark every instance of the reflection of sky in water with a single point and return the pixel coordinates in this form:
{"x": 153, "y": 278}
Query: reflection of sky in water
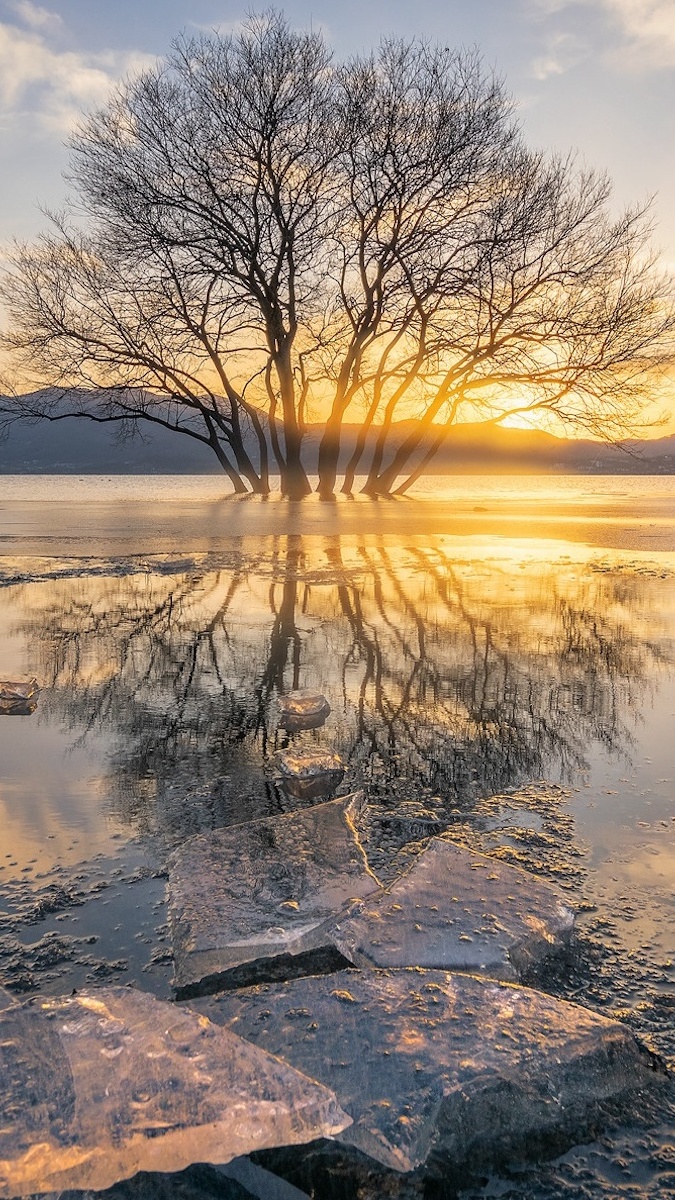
{"x": 456, "y": 667}
{"x": 138, "y": 515}
{"x": 493, "y": 669}
{"x": 50, "y": 792}
{"x": 459, "y": 662}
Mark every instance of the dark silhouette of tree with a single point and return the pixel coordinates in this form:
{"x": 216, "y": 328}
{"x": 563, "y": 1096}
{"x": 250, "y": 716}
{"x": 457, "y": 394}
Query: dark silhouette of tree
{"x": 272, "y": 237}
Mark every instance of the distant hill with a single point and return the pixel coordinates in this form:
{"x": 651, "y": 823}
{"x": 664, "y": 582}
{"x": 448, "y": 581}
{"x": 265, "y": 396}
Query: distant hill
{"x": 77, "y": 446}
{"x": 473, "y": 447}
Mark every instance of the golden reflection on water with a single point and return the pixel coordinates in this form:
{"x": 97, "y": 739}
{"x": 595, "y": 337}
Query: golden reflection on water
{"x": 448, "y": 672}
{"x": 136, "y": 515}
{"x": 454, "y": 672}
{"x": 457, "y": 668}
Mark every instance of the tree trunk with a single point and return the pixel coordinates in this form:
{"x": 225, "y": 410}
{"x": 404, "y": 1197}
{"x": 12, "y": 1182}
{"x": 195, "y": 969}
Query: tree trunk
{"x": 357, "y": 454}
{"x": 234, "y": 476}
{"x": 381, "y": 484}
{"x": 329, "y": 448}
{"x": 248, "y": 471}
{"x": 242, "y": 456}
{"x": 329, "y": 453}
{"x": 264, "y": 456}
{"x": 294, "y": 482}
{"x": 423, "y": 464}
{"x": 370, "y": 487}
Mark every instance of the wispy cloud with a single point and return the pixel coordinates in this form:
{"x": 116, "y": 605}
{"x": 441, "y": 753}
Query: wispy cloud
{"x": 560, "y": 52}
{"x": 36, "y": 17}
{"x": 45, "y": 81}
{"x": 634, "y": 34}
{"x": 547, "y": 8}
{"x": 648, "y": 30}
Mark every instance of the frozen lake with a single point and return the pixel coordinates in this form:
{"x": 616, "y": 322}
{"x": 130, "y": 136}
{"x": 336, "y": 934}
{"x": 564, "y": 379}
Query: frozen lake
{"x": 499, "y": 658}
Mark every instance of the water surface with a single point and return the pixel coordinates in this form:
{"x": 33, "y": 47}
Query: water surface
{"x": 498, "y": 655}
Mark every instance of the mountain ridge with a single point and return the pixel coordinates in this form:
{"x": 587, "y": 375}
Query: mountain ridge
{"x": 75, "y": 445}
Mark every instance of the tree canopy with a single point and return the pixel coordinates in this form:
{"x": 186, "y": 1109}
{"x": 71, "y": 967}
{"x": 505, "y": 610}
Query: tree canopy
{"x": 265, "y": 241}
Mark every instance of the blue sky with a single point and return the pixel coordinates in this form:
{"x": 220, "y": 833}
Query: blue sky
{"x": 597, "y": 76}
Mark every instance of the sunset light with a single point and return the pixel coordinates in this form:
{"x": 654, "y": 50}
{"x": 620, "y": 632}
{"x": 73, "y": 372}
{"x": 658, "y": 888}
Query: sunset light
{"x": 337, "y": 605}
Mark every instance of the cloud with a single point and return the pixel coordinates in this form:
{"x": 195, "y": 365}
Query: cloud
{"x": 36, "y": 17}
{"x": 648, "y": 28}
{"x": 547, "y": 8}
{"x": 633, "y": 34}
{"x": 561, "y": 52}
{"x": 46, "y": 85}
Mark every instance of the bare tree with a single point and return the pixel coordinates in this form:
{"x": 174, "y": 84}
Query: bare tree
{"x": 265, "y": 238}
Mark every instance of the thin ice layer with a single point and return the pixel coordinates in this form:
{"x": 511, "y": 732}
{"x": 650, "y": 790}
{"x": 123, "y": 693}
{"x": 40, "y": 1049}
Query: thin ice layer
{"x": 98, "y": 1086}
{"x": 457, "y": 910}
{"x": 440, "y": 1069}
{"x": 250, "y": 895}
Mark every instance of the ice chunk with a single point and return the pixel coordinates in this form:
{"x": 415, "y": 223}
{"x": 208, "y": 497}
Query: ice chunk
{"x": 98, "y": 1086}
{"x": 259, "y": 1183}
{"x": 238, "y": 1180}
{"x": 442, "y": 1069}
{"x": 18, "y": 699}
{"x": 303, "y": 709}
{"x": 460, "y": 911}
{"x": 254, "y": 901}
{"x": 310, "y": 773}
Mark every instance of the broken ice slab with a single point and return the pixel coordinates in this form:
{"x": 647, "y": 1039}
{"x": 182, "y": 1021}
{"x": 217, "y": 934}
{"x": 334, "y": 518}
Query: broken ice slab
{"x": 271, "y": 899}
{"x": 310, "y": 773}
{"x": 254, "y": 901}
{"x": 441, "y": 1069}
{"x": 238, "y": 1180}
{"x": 259, "y": 1183}
{"x": 100, "y": 1085}
{"x": 303, "y": 709}
{"x": 17, "y": 698}
{"x": 12, "y": 692}
{"x": 458, "y": 911}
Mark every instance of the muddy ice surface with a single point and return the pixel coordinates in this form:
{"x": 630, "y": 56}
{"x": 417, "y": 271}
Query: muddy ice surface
{"x": 100, "y": 922}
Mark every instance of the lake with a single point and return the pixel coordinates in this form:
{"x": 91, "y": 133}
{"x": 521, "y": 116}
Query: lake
{"x": 499, "y": 658}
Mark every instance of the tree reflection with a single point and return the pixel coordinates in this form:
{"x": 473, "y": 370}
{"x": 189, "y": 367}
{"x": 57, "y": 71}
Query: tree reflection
{"x": 446, "y": 678}
{"x": 478, "y": 681}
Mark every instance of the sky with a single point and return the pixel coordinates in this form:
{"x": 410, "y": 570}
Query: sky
{"x": 594, "y": 76}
